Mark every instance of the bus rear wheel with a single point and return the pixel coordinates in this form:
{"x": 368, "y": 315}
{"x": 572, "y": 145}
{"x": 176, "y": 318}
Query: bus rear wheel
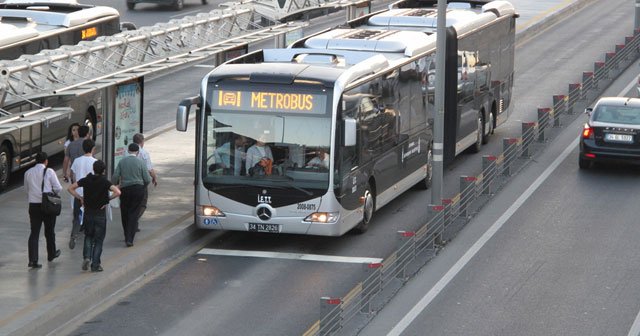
{"x": 5, "y": 166}
{"x": 485, "y": 137}
{"x": 368, "y": 209}
{"x": 428, "y": 179}
{"x": 477, "y": 146}
{"x": 178, "y": 4}
{"x": 131, "y": 5}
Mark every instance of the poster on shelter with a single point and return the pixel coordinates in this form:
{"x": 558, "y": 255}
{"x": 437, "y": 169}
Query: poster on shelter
{"x": 128, "y": 117}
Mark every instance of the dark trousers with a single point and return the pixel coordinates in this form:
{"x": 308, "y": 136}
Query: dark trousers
{"x": 95, "y": 229}
{"x": 143, "y": 207}
{"x": 37, "y": 218}
{"x": 130, "y": 206}
{"x": 75, "y": 229}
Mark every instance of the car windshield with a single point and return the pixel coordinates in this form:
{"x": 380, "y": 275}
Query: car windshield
{"x": 627, "y": 115}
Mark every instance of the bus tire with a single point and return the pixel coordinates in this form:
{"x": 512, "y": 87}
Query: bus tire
{"x": 5, "y": 166}
{"x": 204, "y": 2}
{"x": 131, "y": 5}
{"x": 369, "y": 207}
{"x": 477, "y": 146}
{"x": 486, "y": 135}
{"x": 178, "y": 4}
{"x": 426, "y": 182}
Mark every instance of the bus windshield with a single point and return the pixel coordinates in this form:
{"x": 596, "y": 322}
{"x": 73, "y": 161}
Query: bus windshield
{"x": 261, "y": 138}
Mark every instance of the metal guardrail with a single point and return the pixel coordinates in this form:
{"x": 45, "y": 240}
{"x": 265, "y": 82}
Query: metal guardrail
{"x": 278, "y": 10}
{"x": 348, "y": 314}
{"x": 132, "y": 54}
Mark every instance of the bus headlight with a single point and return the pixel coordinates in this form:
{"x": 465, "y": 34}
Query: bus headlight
{"x": 209, "y": 210}
{"x": 322, "y": 217}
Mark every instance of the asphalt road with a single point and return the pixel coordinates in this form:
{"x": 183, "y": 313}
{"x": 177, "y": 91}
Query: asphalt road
{"x": 239, "y": 295}
{"x": 562, "y": 262}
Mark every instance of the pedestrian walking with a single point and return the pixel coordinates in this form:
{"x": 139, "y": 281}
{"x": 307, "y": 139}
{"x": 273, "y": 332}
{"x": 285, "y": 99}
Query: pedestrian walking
{"x": 81, "y": 167}
{"x": 72, "y": 135}
{"x": 143, "y": 154}
{"x": 39, "y": 179}
{"x": 131, "y": 175}
{"x": 95, "y": 199}
{"x": 74, "y": 150}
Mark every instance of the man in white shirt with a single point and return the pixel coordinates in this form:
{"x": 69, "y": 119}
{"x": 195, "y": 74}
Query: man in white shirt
{"x": 39, "y": 179}
{"x": 80, "y": 168}
{"x": 138, "y": 138}
{"x": 231, "y": 163}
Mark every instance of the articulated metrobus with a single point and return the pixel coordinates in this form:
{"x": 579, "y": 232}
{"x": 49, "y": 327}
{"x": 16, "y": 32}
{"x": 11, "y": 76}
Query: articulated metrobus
{"x": 28, "y": 27}
{"x": 313, "y": 139}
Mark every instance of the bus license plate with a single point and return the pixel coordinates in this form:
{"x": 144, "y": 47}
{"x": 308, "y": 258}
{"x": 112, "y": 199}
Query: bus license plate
{"x": 262, "y": 227}
{"x": 618, "y": 137}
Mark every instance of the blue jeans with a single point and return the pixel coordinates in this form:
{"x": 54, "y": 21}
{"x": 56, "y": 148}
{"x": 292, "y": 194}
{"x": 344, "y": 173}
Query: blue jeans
{"x": 95, "y": 229}
{"x": 75, "y": 228}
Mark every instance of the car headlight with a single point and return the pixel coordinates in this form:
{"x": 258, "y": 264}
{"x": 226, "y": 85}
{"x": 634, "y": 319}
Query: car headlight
{"x": 322, "y": 217}
{"x": 209, "y": 210}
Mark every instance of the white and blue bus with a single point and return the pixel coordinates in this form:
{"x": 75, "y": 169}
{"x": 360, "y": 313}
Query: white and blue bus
{"x": 313, "y": 139}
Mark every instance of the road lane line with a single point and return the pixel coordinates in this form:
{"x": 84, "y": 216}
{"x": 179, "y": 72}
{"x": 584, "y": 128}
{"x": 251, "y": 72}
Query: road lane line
{"x": 184, "y": 14}
{"x": 457, "y": 267}
{"x": 292, "y": 256}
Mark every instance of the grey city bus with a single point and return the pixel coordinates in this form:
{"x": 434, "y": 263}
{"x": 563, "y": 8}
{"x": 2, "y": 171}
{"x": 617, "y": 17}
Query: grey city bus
{"x": 361, "y": 93}
{"x": 28, "y": 27}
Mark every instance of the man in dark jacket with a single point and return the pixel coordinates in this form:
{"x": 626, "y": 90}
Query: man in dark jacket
{"x": 95, "y": 200}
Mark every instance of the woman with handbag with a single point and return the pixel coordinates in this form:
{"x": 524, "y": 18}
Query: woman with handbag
{"x": 41, "y": 182}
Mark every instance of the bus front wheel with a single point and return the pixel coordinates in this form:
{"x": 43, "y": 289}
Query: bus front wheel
{"x": 368, "y": 209}
{"x": 131, "y": 5}
{"x": 5, "y": 166}
{"x": 428, "y": 179}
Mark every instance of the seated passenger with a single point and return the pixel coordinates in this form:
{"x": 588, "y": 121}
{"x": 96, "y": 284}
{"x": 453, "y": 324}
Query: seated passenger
{"x": 230, "y": 156}
{"x": 321, "y": 160}
{"x": 259, "y": 159}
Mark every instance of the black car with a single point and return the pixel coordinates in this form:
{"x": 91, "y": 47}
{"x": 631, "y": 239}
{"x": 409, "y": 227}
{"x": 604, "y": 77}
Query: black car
{"x": 175, "y": 4}
{"x": 612, "y": 132}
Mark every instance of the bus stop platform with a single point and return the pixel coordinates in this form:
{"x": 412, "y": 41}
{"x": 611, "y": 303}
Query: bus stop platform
{"x": 44, "y": 301}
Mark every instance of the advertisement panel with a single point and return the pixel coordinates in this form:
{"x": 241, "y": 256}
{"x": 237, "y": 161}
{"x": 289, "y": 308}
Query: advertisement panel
{"x": 127, "y": 120}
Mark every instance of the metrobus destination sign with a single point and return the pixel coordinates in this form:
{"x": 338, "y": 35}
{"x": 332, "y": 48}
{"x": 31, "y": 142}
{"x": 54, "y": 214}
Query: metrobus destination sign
{"x": 257, "y": 101}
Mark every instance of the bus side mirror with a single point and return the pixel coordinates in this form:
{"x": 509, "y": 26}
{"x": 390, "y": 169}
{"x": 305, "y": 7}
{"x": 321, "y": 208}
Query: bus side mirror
{"x": 350, "y": 132}
{"x": 182, "y": 116}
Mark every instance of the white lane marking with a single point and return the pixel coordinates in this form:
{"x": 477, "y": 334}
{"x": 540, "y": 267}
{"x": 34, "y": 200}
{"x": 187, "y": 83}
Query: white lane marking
{"x": 292, "y": 256}
{"x": 204, "y": 66}
{"x": 184, "y": 14}
{"x": 457, "y": 267}
{"x": 628, "y": 87}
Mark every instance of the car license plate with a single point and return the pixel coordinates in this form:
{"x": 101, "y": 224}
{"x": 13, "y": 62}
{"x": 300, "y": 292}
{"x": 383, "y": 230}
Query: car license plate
{"x": 618, "y": 137}
{"x": 262, "y": 227}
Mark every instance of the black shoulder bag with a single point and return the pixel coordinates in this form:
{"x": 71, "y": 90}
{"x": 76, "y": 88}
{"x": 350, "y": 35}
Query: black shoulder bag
{"x": 51, "y": 202}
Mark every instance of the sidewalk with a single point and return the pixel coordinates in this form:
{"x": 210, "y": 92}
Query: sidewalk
{"x": 36, "y": 302}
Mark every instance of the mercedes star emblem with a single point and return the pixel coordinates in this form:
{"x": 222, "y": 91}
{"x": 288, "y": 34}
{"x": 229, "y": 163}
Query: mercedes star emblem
{"x": 264, "y": 213}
